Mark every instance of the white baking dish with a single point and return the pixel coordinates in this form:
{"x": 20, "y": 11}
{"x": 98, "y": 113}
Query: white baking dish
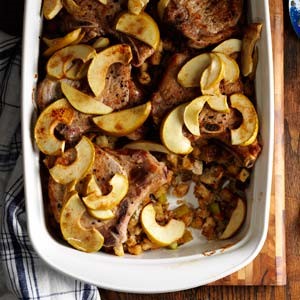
{"x": 160, "y": 270}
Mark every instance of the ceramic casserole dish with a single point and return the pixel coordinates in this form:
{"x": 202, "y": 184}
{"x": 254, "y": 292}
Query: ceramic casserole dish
{"x": 160, "y": 270}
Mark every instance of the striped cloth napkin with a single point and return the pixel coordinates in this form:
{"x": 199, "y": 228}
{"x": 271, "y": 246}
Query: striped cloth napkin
{"x": 23, "y": 275}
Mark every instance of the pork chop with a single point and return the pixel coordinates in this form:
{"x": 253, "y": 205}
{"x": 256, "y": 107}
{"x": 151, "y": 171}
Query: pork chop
{"x": 120, "y": 92}
{"x": 170, "y": 93}
{"x": 217, "y": 125}
{"x": 146, "y": 175}
{"x": 204, "y": 22}
{"x": 99, "y": 18}
{"x": 105, "y": 166}
{"x": 49, "y": 90}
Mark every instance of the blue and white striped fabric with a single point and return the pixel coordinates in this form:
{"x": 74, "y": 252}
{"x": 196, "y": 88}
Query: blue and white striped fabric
{"x": 22, "y": 273}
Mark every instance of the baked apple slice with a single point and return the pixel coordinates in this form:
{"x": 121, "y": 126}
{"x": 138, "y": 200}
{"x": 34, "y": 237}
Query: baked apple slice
{"x": 51, "y": 8}
{"x": 125, "y": 121}
{"x": 212, "y": 76}
{"x": 171, "y": 132}
{"x": 229, "y": 46}
{"x": 191, "y": 72}
{"x": 58, "y": 112}
{"x": 99, "y": 66}
{"x": 193, "y": 109}
{"x": 231, "y": 68}
{"x": 137, "y": 6}
{"x": 85, "y": 156}
{"x": 83, "y": 102}
{"x": 161, "y": 6}
{"x": 236, "y": 220}
{"x": 250, "y": 38}
{"x": 59, "y": 43}
{"x": 160, "y": 235}
{"x": 62, "y": 60}
{"x": 119, "y": 184}
{"x": 246, "y": 134}
{"x": 142, "y": 27}
{"x": 87, "y": 240}
{"x": 147, "y": 146}
{"x": 93, "y": 188}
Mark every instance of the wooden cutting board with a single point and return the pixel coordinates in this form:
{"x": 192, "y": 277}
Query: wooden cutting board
{"x": 269, "y": 267}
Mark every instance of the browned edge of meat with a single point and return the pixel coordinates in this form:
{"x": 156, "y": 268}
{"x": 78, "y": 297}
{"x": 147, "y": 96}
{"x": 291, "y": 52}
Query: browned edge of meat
{"x": 170, "y": 93}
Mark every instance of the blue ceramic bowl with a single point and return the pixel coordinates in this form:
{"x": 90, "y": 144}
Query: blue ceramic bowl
{"x": 294, "y": 9}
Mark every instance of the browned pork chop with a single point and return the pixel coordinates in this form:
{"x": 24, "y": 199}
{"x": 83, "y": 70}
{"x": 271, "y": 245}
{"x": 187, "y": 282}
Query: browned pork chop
{"x": 49, "y": 90}
{"x": 120, "y": 92}
{"x": 115, "y": 94}
{"x": 98, "y": 18}
{"x": 170, "y": 93}
{"x": 204, "y": 22}
{"x": 105, "y": 166}
{"x": 217, "y": 125}
{"x": 146, "y": 175}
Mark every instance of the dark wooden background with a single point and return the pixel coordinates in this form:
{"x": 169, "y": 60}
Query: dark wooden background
{"x": 11, "y": 21}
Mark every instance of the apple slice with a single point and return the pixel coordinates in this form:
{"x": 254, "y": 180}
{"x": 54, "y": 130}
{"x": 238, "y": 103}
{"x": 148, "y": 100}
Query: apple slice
{"x": 248, "y": 130}
{"x": 212, "y": 76}
{"x": 231, "y": 68}
{"x": 87, "y": 240}
{"x": 142, "y": 27}
{"x": 191, "y": 72}
{"x": 61, "y": 60}
{"x": 193, "y": 109}
{"x": 229, "y": 47}
{"x": 59, "y": 111}
{"x": 51, "y": 8}
{"x": 119, "y": 184}
{"x": 250, "y": 38}
{"x": 236, "y": 220}
{"x": 147, "y": 146}
{"x": 59, "y": 43}
{"x": 101, "y": 43}
{"x": 218, "y": 103}
{"x": 69, "y": 188}
{"x": 85, "y": 157}
{"x": 124, "y": 122}
{"x": 160, "y": 235}
{"x": 72, "y": 7}
{"x": 93, "y": 188}
{"x": 161, "y": 6}
{"x": 101, "y": 214}
{"x": 171, "y": 132}
{"x": 77, "y": 70}
{"x": 83, "y": 102}
{"x": 99, "y": 66}
{"x": 137, "y": 6}
{"x": 191, "y": 114}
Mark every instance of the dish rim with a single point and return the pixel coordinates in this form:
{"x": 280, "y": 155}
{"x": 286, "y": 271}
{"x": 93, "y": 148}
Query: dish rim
{"x": 29, "y": 157}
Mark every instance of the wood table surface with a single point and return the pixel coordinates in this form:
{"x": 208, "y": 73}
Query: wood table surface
{"x": 11, "y": 22}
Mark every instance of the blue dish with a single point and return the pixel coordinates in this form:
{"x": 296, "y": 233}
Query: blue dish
{"x": 294, "y": 9}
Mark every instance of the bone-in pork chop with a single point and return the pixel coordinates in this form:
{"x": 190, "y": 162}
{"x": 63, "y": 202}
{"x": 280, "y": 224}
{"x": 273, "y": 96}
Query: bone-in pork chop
{"x": 146, "y": 175}
{"x": 204, "y": 22}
